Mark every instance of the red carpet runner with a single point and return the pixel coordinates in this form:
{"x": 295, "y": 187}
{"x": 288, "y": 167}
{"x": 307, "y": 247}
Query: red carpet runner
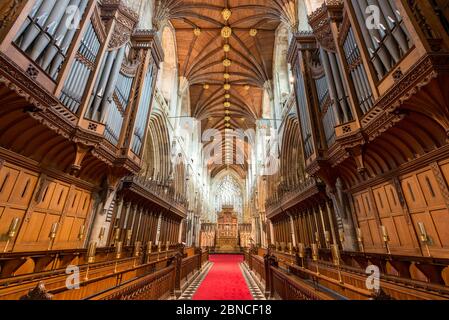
{"x": 224, "y": 281}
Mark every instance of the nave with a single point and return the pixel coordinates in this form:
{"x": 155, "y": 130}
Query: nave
{"x": 224, "y": 149}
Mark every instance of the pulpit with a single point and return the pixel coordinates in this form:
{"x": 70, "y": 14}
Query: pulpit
{"x": 227, "y": 231}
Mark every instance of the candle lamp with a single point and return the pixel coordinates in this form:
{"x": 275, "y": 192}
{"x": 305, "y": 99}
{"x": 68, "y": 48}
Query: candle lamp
{"x": 149, "y": 250}
{"x": 360, "y": 239}
{"x": 290, "y": 247}
{"x": 129, "y": 234}
{"x": 118, "y": 254}
{"x": 317, "y": 237}
{"x": 118, "y": 250}
{"x": 81, "y": 233}
{"x": 137, "y": 249}
{"x": 385, "y": 237}
{"x": 423, "y": 232}
{"x": 102, "y": 233}
{"x": 301, "y": 253}
{"x": 424, "y": 237}
{"x": 12, "y": 231}
{"x": 336, "y": 259}
{"x": 159, "y": 250}
{"x": 91, "y": 252}
{"x": 52, "y": 234}
{"x": 327, "y": 236}
{"x": 341, "y": 234}
{"x": 116, "y": 234}
{"x": 315, "y": 256}
{"x": 336, "y": 255}
{"x": 53, "y": 230}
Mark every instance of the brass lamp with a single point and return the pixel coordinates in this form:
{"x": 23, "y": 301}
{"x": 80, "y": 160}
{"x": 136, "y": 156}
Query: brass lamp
{"x": 317, "y": 237}
{"x": 424, "y": 237}
{"x": 137, "y": 249}
{"x": 423, "y": 232}
{"x": 81, "y": 233}
{"x": 335, "y": 254}
{"x": 149, "y": 250}
{"x": 336, "y": 259}
{"x": 102, "y": 233}
{"x": 118, "y": 254}
{"x": 360, "y": 239}
{"x": 53, "y": 230}
{"x": 327, "y": 237}
{"x": 91, "y": 252}
{"x": 341, "y": 234}
{"x": 12, "y": 231}
{"x": 315, "y": 253}
{"x": 129, "y": 234}
{"x": 118, "y": 250}
{"x": 386, "y": 238}
{"x": 315, "y": 256}
{"x": 301, "y": 253}
{"x": 52, "y": 234}
{"x": 116, "y": 234}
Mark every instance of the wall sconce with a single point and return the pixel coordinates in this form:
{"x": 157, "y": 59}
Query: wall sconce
{"x": 81, "y": 233}
{"x": 118, "y": 254}
{"x": 341, "y": 234}
{"x": 149, "y": 250}
{"x": 327, "y": 236}
{"x": 102, "y": 233}
{"x": 91, "y": 252}
{"x": 129, "y": 234}
{"x": 386, "y": 238}
{"x": 52, "y": 234}
{"x": 315, "y": 256}
{"x": 424, "y": 236}
{"x": 118, "y": 250}
{"x": 317, "y": 238}
{"x": 336, "y": 259}
{"x": 137, "y": 249}
{"x": 12, "y": 231}
{"x": 360, "y": 239}
{"x": 116, "y": 234}
{"x": 301, "y": 253}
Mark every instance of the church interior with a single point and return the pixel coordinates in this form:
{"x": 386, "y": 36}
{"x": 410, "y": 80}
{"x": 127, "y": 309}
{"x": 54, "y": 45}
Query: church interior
{"x": 224, "y": 150}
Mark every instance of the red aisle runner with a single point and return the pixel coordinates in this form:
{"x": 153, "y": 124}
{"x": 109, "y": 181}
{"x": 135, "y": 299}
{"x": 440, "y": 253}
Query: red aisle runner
{"x": 224, "y": 281}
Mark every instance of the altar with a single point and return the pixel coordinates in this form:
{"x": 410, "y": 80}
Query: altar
{"x": 227, "y": 231}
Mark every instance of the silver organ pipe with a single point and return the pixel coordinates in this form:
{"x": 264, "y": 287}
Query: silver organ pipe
{"x": 111, "y": 94}
{"x": 48, "y": 32}
{"x": 358, "y": 73}
{"x": 99, "y": 88}
{"x": 112, "y": 81}
{"x": 81, "y": 69}
{"x": 304, "y": 115}
{"x": 143, "y": 112}
{"x": 327, "y": 111}
{"x": 387, "y": 43}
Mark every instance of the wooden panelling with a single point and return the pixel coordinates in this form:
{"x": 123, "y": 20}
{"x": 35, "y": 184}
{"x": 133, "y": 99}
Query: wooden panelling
{"x": 425, "y": 200}
{"x": 39, "y": 205}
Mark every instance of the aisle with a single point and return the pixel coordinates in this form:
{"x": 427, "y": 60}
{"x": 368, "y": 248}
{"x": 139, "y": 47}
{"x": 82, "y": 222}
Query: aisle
{"x": 224, "y": 281}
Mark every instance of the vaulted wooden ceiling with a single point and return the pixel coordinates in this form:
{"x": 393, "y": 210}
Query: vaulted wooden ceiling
{"x": 211, "y": 60}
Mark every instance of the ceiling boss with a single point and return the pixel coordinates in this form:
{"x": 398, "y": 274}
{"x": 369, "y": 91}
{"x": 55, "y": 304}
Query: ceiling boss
{"x": 226, "y": 13}
{"x": 226, "y": 32}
